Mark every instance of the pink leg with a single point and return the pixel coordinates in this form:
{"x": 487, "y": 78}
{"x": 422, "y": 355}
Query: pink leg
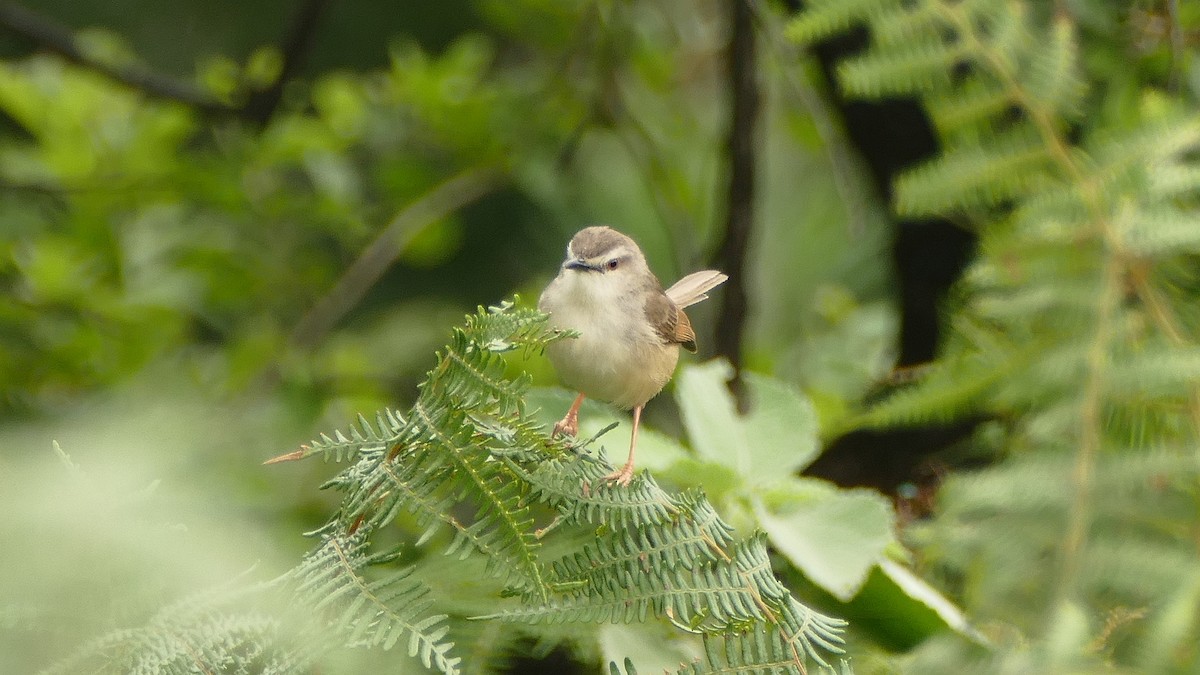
{"x": 569, "y": 425}
{"x": 624, "y": 475}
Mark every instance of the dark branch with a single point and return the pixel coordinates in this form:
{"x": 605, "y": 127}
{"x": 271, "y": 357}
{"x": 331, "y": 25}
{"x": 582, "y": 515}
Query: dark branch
{"x": 731, "y": 257}
{"x": 261, "y": 104}
{"x": 58, "y": 39}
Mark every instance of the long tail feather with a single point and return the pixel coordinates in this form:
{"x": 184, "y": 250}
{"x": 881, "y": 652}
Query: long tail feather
{"x": 692, "y": 288}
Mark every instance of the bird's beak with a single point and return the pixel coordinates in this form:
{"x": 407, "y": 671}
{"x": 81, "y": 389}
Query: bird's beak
{"x": 577, "y": 264}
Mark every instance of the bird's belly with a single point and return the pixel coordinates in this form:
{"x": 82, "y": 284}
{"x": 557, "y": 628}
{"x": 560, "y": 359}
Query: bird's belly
{"x": 611, "y": 360}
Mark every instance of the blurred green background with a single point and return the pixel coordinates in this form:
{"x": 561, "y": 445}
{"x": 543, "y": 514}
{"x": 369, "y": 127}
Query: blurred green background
{"x": 179, "y": 280}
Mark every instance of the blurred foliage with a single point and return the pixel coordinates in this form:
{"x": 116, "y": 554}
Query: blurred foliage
{"x": 161, "y": 267}
{"x": 496, "y": 522}
{"x": 1074, "y": 153}
{"x": 137, "y": 229}
{"x": 161, "y": 270}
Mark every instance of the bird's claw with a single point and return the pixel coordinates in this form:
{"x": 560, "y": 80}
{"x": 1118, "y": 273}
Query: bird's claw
{"x": 567, "y": 426}
{"x": 622, "y": 476}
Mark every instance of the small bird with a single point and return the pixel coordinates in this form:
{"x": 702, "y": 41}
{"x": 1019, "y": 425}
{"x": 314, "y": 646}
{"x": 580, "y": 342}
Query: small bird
{"x": 630, "y": 329}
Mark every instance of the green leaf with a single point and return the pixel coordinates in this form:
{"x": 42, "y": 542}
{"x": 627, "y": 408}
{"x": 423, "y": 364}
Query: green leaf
{"x": 918, "y": 589}
{"x": 834, "y": 536}
{"x": 897, "y": 610}
{"x": 655, "y": 648}
{"x": 776, "y": 438}
{"x": 781, "y": 428}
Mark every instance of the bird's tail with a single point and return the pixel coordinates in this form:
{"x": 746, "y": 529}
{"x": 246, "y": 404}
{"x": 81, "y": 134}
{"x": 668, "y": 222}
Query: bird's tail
{"x": 692, "y": 288}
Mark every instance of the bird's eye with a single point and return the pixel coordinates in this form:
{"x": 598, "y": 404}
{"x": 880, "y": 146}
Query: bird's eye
{"x": 612, "y": 264}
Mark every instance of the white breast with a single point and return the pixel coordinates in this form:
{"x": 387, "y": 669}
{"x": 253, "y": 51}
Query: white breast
{"x": 618, "y": 356}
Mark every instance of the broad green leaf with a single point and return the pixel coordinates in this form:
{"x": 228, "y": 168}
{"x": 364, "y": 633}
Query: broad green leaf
{"x": 717, "y": 480}
{"x": 834, "y": 536}
{"x": 898, "y": 610}
{"x": 773, "y": 440}
{"x": 917, "y": 589}
{"x": 709, "y": 415}
{"x": 780, "y": 429}
{"x": 654, "y": 647}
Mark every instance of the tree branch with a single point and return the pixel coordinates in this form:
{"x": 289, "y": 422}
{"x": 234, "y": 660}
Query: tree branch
{"x": 731, "y": 256}
{"x": 261, "y": 104}
{"x": 57, "y": 38}
{"x": 439, "y": 202}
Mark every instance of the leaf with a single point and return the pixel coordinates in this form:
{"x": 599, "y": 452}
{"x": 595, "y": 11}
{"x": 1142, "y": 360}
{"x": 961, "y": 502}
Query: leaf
{"x": 834, "y": 536}
{"x": 781, "y": 428}
{"x": 775, "y": 439}
{"x": 655, "y": 648}
{"x": 917, "y": 589}
{"x": 897, "y": 610}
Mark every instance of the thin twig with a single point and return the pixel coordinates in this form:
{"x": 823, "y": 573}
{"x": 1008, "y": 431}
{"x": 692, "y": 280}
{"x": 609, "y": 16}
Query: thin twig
{"x": 439, "y": 202}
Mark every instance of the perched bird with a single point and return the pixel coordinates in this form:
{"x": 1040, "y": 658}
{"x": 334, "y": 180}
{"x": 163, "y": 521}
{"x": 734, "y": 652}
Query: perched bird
{"x": 630, "y": 329}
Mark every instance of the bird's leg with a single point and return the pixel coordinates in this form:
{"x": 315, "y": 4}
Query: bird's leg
{"x": 569, "y": 424}
{"x": 623, "y": 475}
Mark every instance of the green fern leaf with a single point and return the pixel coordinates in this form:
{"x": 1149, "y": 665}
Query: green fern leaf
{"x": 360, "y": 438}
{"x": 373, "y": 613}
{"x": 1054, "y": 78}
{"x": 576, "y": 488}
{"x": 685, "y": 542}
{"x": 823, "y": 18}
{"x": 972, "y": 105}
{"x": 903, "y": 71}
{"x": 1007, "y": 166}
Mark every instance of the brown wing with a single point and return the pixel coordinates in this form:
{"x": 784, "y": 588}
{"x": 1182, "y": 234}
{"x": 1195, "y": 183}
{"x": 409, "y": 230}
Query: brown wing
{"x": 670, "y": 322}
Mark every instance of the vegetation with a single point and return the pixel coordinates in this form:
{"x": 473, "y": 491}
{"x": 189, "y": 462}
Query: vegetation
{"x": 1070, "y": 333}
{"x": 203, "y": 267}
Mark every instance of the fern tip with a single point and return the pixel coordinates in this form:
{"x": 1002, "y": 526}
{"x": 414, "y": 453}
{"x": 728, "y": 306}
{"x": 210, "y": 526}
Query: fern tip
{"x": 288, "y": 457}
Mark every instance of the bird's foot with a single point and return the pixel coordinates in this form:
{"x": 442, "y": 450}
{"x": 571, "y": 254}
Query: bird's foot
{"x": 567, "y": 426}
{"x": 622, "y": 476}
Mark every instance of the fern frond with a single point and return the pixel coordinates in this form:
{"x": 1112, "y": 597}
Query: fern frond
{"x": 823, "y": 18}
{"x": 560, "y": 483}
{"x": 505, "y": 327}
{"x": 1076, "y": 324}
{"x": 1163, "y": 230}
{"x": 203, "y": 643}
{"x": 205, "y": 632}
{"x": 444, "y": 453}
{"x": 466, "y": 447}
{"x": 1155, "y": 373}
{"x": 758, "y": 649}
{"x": 629, "y": 552}
{"x": 473, "y": 376}
{"x": 902, "y": 71}
{"x": 1054, "y": 76}
{"x": 1006, "y": 166}
{"x": 444, "y": 463}
{"x": 715, "y": 596}
{"x": 373, "y": 613}
{"x": 949, "y": 389}
{"x": 973, "y": 103}
{"x": 897, "y": 25}
{"x": 360, "y": 438}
